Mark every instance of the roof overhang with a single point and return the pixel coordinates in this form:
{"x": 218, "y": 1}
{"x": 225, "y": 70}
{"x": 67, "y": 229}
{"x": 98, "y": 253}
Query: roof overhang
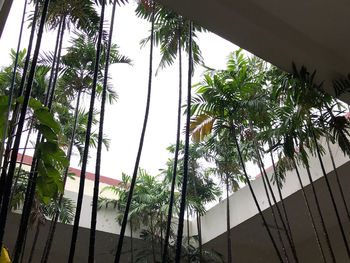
{"x": 313, "y": 33}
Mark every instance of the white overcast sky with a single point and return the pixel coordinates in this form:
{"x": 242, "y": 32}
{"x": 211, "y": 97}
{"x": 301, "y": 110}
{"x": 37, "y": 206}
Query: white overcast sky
{"x": 124, "y": 119}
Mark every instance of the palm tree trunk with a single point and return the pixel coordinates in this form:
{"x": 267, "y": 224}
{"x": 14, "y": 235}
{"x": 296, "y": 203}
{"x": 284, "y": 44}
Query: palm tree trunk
{"x": 228, "y": 229}
{"x": 2, "y": 141}
{"x": 152, "y": 237}
{"x": 325, "y": 232}
{"x": 274, "y": 216}
{"x": 198, "y": 224}
{"x": 34, "y": 243}
{"x": 53, "y": 66}
{"x": 52, "y": 230}
{"x": 52, "y": 91}
{"x": 173, "y": 179}
{"x": 48, "y": 102}
{"x": 31, "y": 189}
{"x": 199, "y": 227}
{"x": 188, "y": 234}
{"x": 136, "y": 167}
{"x": 309, "y": 212}
{"x": 21, "y": 163}
{"x": 337, "y": 178}
{"x": 333, "y": 162}
{"x": 279, "y": 190}
{"x": 10, "y": 174}
{"x": 17, "y": 107}
{"x": 87, "y": 140}
{"x": 234, "y": 137}
{"x": 266, "y": 181}
{"x": 331, "y": 195}
{"x": 161, "y": 234}
{"x": 99, "y": 145}
{"x": 186, "y": 155}
{"x": 131, "y": 244}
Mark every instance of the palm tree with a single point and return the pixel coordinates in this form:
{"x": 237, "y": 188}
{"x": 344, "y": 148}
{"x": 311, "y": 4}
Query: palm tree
{"x": 138, "y": 157}
{"x": 147, "y": 209}
{"x": 121, "y": 193}
{"x": 228, "y": 170}
{"x": 100, "y": 141}
{"x": 9, "y": 175}
{"x": 220, "y": 105}
{"x": 201, "y": 187}
{"x": 313, "y": 116}
{"x": 77, "y": 68}
{"x": 171, "y": 34}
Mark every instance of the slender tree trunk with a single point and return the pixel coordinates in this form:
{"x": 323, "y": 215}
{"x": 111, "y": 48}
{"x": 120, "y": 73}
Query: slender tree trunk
{"x": 309, "y": 213}
{"x": 53, "y": 224}
{"x": 21, "y": 163}
{"x": 333, "y": 162}
{"x": 280, "y": 192}
{"x": 136, "y": 167}
{"x": 87, "y": 140}
{"x": 131, "y": 244}
{"x": 11, "y": 90}
{"x": 228, "y": 229}
{"x": 161, "y": 234}
{"x": 16, "y": 110}
{"x": 265, "y": 180}
{"x": 53, "y": 66}
{"x": 233, "y": 133}
{"x": 324, "y": 228}
{"x": 10, "y": 174}
{"x": 31, "y": 189}
{"x": 331, "y": 195}
{"x": 173, "y": 180}
{"x": 186, "y": 155}
{"x": 199, "y": 228}
{"x": 152, "y": 236}
{"x": 37, "y": 231}
{"x": 188, "y": 235}
{"x": 99, "y": 145}
{"x": 274, "y": 217}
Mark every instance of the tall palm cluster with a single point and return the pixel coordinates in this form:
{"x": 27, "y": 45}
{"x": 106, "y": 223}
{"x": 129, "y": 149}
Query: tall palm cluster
{"x": 252, "y": 109}
{"x": 44, "y": 93}
{"x": 246, "y": 112}
{"x": 149, "y": 207}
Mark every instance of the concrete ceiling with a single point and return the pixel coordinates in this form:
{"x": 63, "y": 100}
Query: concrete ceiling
{"x": 313, "y": 33}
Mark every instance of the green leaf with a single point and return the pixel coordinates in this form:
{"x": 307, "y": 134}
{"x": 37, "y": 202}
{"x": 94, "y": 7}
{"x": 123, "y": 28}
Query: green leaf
{"x": 52, "y": 172}
{"x": 20, "y": 99}
{"x": 47, "y": 188}
{"x": 41, "y": 168}
{"x": 45, "y": 117}
{"x": 60, "y": 157}
{"x": 47, "y": 132}
{"x": 48, "y": 148}
{"x": 35, "y": 104}
{"x": 45, "y": 199}
{"x": 4, "y": 100}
